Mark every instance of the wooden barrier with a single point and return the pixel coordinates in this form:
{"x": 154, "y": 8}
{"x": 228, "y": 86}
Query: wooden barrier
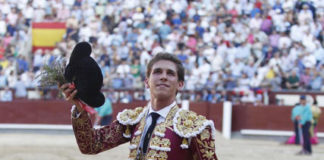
{"x": 243, "y": 116}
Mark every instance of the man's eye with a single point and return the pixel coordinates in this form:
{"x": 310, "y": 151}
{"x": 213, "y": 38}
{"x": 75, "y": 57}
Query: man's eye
{"x": 157, "y": 71}
{"x": 171, "y": 73}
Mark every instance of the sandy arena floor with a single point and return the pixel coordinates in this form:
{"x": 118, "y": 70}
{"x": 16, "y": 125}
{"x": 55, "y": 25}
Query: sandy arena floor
{"x": 30, "y": 146}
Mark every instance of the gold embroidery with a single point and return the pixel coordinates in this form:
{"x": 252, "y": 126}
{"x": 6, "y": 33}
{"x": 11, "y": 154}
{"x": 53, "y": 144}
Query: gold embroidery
{"x": 160, "y": 128}
{"x": 151, "y": 154}
{"x": 131, "y": 115}
{"x": 127, "y": 132}
{"x": 163, "y": 155}
{"x": 136, "y": 140}
{"x": 133, "y": 154}
{"x": 169, "y": 119}
{"x": 156, "y": 141}
{"x": 205, "y": 144}
{"x": 212, "y": 144}
{"x": 208, "y": 154}
{"x": 160, "y": 142}
{"x": 138, "y": 110}
{"x": 185, "y": 141}
{"x": 107, "y": 136}
{"x": 157, "y": 155}
{"x": 189, "y": 123}
{"x": 141, "y": 127}
{"x": 205, "y": 134}
{"x": 92, "y": 140}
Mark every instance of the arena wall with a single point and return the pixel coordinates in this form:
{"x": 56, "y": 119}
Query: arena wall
{"x": 243, "y": 116}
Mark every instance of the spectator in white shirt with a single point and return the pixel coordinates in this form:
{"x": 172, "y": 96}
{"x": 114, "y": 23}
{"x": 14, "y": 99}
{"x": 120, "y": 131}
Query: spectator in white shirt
{"x": 39, "y": 14}
{"x": 319, "y": 53}
{"x": 256, "y": 21}
{"x": 3, "y": 26}
{"x": 305, "y": 14}
{"x": 38, "y": 60}
{"x": 123, "y": 69}
{"x": 284, "y": 41}
{"x": 204, "y": 70}
{"x": 296, "y": 33}
{"x": 309, "y": 60}
{"x": 85, "y": 32}
{"x": 12, "y": 16}
{"x": 6, "y": 95}
{"x": 309, "y": 41}
{"x": 229, "y": 35}
{"x": 20, "y": 89}
{"x": 216, "y": 63}
{"x": 286, "y": 63}
{"x": 237, "y": 68}
{"x": 275, "y": 61}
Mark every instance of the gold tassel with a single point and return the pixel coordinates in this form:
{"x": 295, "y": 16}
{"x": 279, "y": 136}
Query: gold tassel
{"x": 185, "y": 141}
{"x": 184, "y": 144}
{"x": 127, "y": 132}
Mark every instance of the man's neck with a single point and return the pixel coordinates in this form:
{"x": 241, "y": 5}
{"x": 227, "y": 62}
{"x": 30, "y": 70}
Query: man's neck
{"x": 158, "y": 104}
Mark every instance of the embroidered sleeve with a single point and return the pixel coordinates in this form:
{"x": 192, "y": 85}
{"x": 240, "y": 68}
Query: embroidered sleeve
{"x": 188, "y": 124}
{"x": 130, "y": 117}
{"x": 93, "y": 141}
{"x": 197, "y": 131}
{"x": 203, "y": 146}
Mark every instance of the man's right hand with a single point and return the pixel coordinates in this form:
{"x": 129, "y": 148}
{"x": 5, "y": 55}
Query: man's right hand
{"x": 69, "y": 93}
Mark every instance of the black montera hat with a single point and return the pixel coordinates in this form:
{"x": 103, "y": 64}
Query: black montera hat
{"x": 86, "y": 75}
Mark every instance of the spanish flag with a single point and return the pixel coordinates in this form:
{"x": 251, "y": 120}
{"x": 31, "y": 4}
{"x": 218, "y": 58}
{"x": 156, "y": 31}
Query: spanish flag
{"x": 46, "y": 34}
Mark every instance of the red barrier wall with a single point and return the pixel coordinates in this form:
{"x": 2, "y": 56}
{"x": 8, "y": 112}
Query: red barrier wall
{"x": 38, "y": 112}
{"x": 244, "y": 116}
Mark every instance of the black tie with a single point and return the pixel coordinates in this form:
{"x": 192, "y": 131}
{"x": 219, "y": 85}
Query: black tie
{"x": 147, "y": 137}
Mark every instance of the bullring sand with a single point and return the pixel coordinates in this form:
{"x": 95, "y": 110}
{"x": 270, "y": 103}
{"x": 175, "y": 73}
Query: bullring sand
{"x": 33, "y": 146}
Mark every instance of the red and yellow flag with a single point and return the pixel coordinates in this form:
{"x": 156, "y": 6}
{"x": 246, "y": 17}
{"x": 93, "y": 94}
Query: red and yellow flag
{"x": 46, "y": 34}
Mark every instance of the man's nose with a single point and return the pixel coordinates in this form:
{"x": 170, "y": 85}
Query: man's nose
{"x": 163, "y": 76}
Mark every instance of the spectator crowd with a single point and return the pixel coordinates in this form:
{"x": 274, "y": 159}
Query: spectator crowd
{"x": 241, "y": 46}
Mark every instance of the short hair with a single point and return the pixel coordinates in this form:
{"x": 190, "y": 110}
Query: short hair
{"x": 168, "y": 57}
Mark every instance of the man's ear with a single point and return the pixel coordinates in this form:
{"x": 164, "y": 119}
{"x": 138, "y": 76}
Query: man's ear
{"x": 146, "y": 83}
{"x": 181, "y": 85}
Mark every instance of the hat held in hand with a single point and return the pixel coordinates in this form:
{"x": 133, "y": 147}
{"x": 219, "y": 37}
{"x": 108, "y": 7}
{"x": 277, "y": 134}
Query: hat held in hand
{"x": 84, "y": 72}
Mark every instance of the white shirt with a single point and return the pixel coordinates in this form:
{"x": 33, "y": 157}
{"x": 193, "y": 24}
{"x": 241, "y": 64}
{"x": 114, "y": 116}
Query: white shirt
{"x": 284, "y": 42}
{"x": 163, "y": 114}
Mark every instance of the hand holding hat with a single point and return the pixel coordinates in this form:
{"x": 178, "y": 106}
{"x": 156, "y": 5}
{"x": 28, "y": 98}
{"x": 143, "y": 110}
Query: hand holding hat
{"x": 84, "y": 72}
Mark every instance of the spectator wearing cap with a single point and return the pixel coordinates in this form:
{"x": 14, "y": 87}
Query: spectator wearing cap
{"x": 304, "y": 117}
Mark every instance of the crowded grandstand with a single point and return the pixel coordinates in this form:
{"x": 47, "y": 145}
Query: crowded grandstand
{"x": 231, "y": 49}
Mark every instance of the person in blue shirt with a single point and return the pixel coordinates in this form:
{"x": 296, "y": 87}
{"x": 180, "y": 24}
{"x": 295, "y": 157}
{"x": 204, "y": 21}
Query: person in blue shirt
{"x": 295, "y": 118}
{"x": 303, "y": 114}
{"x": 104, "y": 113}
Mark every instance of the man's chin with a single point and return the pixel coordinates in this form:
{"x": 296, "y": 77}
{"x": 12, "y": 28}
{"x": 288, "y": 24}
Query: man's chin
{"x": 163, "y": 95}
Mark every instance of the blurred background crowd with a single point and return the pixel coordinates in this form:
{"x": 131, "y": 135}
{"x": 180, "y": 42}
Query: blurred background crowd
{"x": 242, "y": 47}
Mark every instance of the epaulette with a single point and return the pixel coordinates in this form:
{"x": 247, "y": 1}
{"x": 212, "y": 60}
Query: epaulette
{"x": 188, "y": 124}
{"x": 129, "y": 117}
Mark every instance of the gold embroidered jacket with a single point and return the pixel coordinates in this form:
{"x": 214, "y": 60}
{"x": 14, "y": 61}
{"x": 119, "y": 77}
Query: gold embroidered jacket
{"x": 184, "y": 135}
